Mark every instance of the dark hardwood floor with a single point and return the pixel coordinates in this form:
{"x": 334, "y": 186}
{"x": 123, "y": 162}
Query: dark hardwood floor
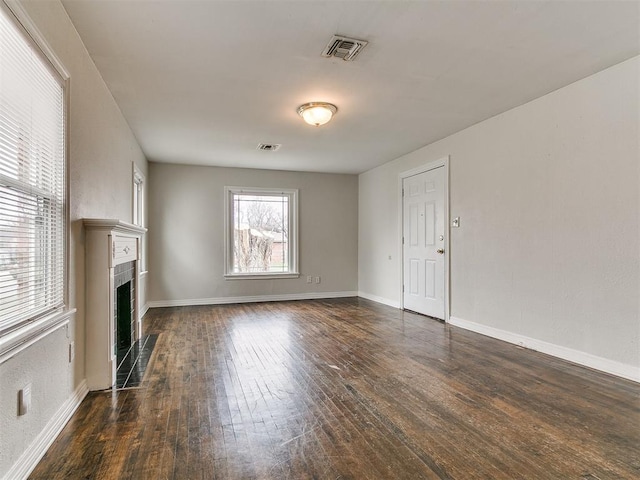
{"x": 347, "y": 389}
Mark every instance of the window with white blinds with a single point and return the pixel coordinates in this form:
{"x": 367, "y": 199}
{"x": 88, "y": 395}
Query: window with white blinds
{"x": 32, "y": 180}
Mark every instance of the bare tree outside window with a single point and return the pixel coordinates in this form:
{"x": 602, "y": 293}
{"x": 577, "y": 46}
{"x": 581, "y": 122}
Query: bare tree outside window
{"x": 261, "y": 229}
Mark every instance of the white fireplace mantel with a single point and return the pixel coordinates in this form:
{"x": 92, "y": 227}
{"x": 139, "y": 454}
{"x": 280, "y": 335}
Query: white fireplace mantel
{"x": 108, "y": 243}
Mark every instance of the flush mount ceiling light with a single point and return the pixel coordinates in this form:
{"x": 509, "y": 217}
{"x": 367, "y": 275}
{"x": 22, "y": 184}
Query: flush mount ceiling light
{"x": 317, "y": 113}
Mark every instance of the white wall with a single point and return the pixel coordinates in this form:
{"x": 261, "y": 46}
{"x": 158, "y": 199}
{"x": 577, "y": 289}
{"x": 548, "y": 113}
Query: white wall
{"x": 186, "y": 234}
{"x": 549, "y": 243}
{"x": 102, "y": 148}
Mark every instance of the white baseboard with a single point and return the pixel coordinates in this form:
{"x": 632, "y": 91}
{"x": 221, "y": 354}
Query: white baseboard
{"x": 249, "y": 299}
{"x": 576, "y": 356}
{"x": 144, "y": 311}
{"x": 32, "y": 455}
{"x": 375, "y": 298}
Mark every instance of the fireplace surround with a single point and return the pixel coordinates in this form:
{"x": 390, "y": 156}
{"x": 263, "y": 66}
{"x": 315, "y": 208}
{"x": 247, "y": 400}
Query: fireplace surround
{"x": 112, "y": 266}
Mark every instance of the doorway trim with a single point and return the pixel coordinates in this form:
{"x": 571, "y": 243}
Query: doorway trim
{"x": 442, "y": 162}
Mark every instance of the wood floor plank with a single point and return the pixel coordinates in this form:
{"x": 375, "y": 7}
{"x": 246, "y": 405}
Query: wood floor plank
{"x": 347, "y": 389}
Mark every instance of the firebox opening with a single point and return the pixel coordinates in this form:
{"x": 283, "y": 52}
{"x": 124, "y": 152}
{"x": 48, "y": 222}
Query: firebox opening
{"x": 124, "y": 324}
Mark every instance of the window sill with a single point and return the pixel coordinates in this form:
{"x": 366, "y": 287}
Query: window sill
{"x": 18, "y": 340}
{"x": 259, "y": 276}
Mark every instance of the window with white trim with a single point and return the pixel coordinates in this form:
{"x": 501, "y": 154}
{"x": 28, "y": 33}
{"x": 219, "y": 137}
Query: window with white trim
{"x": 32, "y": 180}
{"x": 138, "y": 197}
{"x": 261, "y": 232}
{"x": 138, "y": 210}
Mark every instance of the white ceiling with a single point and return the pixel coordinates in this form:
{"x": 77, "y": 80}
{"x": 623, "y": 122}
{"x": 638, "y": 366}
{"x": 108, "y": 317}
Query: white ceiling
{"x": 203, "y": 82}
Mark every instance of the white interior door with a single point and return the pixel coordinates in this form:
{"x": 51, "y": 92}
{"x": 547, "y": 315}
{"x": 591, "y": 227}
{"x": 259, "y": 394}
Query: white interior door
{"x": 423, "y": 242}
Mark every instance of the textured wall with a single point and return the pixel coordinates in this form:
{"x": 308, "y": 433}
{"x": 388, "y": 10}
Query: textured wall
{"x": 548, "y": 197}
{"x": 102, "y": 149}
{"x": 186, "y": 232}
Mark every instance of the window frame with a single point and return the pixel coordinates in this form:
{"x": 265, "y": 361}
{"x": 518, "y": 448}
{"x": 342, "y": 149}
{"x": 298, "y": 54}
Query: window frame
{"x": 17, "y": 336}
{"x": 292, "y": 237}
{"x": 138, "y": 205}
{"x": 138, "y": 199}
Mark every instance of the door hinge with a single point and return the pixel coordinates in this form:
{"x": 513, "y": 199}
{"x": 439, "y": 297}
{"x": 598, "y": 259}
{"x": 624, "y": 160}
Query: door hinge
{"x": 403, "y": 192}
{"x": 403, "y": 240}
{"x": 402, "y": 288}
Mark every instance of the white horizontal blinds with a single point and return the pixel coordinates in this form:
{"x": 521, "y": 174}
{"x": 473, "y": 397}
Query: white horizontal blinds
{"x": 32, "y": 180}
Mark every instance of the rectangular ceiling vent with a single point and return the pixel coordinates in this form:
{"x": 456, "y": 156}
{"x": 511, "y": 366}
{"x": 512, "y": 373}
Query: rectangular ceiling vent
{"x": 269, "y": 147}
{"x": 344, "y": 47}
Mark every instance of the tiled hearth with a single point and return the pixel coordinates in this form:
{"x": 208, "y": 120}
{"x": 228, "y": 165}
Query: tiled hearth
{"x": 132, "y": 367}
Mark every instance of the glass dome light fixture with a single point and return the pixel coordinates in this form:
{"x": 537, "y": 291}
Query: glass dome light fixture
{"x": 317, "y": 113}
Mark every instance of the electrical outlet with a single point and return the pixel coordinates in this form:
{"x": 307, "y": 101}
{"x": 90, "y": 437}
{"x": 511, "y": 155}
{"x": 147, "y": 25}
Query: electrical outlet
{"x": 317, "y": 279}
{"x": 72, "y": 351}
{"x": 309, "y": 279}
{"x": 24, "y": 400}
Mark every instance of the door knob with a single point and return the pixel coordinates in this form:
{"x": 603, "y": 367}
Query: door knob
{"x": 440, "y": 251}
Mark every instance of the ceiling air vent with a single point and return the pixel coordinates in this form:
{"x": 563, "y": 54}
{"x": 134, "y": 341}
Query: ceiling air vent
{"x": 269, "y": 147}
{"x": 344, "y": 47}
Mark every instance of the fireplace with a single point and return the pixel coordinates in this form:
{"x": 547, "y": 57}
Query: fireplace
{"x": 113, "y": 322}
